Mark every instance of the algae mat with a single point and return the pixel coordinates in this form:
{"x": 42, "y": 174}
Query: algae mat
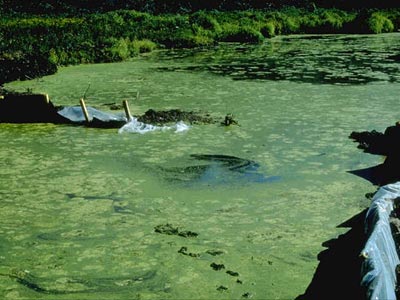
{"x": 93, "y": 214}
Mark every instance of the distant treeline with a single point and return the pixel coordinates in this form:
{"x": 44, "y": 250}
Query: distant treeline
{"x": 34, "y": 45}
{"x": 179, "y": 6}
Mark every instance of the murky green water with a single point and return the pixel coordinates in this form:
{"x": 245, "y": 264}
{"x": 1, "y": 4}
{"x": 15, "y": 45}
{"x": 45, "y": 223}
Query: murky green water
{"x": 79, "y": 206}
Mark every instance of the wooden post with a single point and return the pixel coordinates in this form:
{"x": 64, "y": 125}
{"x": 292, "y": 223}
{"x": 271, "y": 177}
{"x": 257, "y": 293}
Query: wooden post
{"x": 127, "y": 111}
{"x": 84, "y": 110}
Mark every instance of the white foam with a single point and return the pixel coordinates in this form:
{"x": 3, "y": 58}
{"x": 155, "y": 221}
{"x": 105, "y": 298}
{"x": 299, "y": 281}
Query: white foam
{"x": 134, "y": 126}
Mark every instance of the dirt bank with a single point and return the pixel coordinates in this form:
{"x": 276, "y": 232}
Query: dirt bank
{"x": 386, "y": 144}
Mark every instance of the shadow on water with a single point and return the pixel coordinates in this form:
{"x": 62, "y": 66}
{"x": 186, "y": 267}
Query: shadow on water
{"x": 338, "y": 274}
{"x": 215, "y": 170}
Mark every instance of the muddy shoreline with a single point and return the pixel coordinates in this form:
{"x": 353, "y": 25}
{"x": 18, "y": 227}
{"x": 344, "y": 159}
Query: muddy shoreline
{"x": 385, "y": 144}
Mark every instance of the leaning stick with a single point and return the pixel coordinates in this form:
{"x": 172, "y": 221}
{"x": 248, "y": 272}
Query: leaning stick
{"x": 84, "y": 110}
{"x": 127, "y": 110}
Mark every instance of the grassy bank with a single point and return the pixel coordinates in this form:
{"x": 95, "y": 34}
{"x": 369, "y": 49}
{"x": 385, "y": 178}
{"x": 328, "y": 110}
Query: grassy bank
{"x": 32, "y": 46}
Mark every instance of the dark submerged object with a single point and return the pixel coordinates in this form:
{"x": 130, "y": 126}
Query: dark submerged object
{"x": 218, "y": 169}
{"x": 229, "y": 120}
{"x": 173, "y": 116}
{"x": 37, "y": 108}
{"x": 28, "y": 108}
{"x": 387, "y": 144}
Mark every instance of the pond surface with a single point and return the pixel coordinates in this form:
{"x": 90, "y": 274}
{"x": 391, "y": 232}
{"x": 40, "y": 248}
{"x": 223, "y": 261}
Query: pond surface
{"x": 212, "y": 212}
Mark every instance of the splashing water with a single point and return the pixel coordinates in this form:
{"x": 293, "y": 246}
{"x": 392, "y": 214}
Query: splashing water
{"x": 135, "y": 126}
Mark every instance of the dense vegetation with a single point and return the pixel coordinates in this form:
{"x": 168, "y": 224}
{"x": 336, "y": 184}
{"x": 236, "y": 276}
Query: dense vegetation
{"x": 34, "y": 45}
{"x": 180, "y": 6}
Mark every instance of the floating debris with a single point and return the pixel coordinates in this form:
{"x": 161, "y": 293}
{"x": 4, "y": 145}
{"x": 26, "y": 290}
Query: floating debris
{"x": 171, "y": 230}
{"x": 174, "y": 115}
{"x": 247, "y": 295}
{"x": 184, "y": 251}
{"x": 232, "y": 273}
{"x": 217, "y": 267}
{"x": 215, "y": 252}
{"x": 229, "y": 120}
{"x": 222, "y": 288}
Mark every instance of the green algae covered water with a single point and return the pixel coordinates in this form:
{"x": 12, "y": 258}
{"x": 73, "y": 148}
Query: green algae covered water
{"x": 96, "y": 214}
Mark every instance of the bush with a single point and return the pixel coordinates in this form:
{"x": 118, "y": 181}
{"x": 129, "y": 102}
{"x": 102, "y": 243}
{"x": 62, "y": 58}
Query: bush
{"x": 20, "y": 67}
{"x": 291, "y": 25}
{"x": 268, "y": 29}
{"x": 235, "y": 33}
{"x": 141, "y": 46}
{"x": 327, "y": 21}
{"x": 206, "y": 20}
{"x": 379, "y": 23}
{"x": 118, "y": 49}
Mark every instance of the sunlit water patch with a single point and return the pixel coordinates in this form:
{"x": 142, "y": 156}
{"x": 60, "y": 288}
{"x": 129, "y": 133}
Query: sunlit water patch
{"x": 92, "y": 214}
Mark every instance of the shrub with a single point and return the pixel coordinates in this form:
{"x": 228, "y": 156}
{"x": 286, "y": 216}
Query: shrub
{"x": 268, "y": 29}
{"x": 206, "y": 21}
{"x": 13, "y": 67}
{"x": 291, "y": 25}
{"x": 141, "y": 46}
{"x": 379, "y": 23}
{"x": 236, "y": 33}
{"x": 53, "y": 57}
{"x": 285, "y": 21}
{"x": 115, "y": 49}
